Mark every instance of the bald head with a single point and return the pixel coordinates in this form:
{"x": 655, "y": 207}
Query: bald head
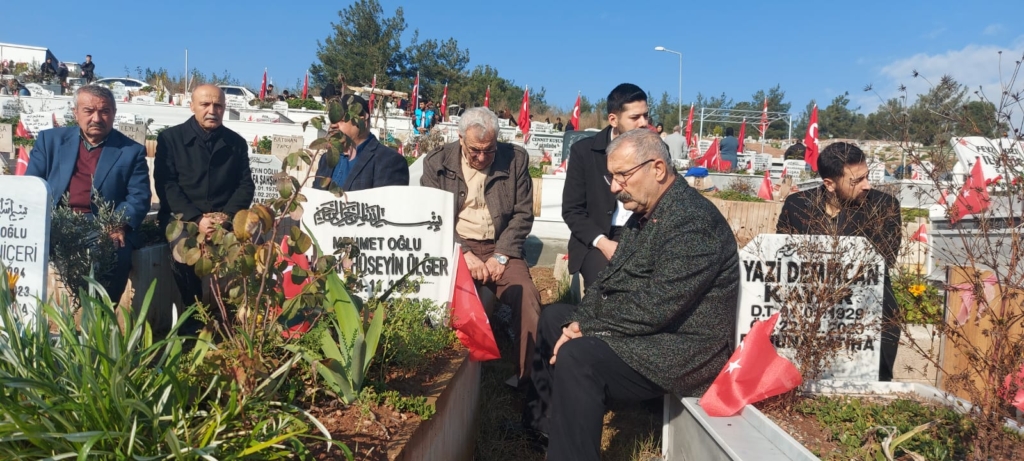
{"x": 208, "y": 105}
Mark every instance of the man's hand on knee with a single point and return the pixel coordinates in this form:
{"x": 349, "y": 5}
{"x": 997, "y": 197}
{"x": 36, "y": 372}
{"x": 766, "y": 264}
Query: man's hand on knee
{"x": 477, "y": 268}
{"x": 570, "y": 331}
{"x": 495, "y": 268}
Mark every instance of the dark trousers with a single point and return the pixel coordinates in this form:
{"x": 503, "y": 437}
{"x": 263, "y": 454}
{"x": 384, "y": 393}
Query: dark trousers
{"x": 594, "y": 261}
{"x": 890, "y": 333}
{"x": 118, "y": 277}
{"x": 516, "y": 289}
{"x": 191, "y": 288}
{"x": 568, "y": 399}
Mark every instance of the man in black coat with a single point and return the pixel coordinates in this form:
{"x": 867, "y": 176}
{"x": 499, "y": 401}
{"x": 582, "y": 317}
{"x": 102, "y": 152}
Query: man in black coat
{"x": 369, "y": 164}
{"x": 202, "y": 175}
{"x": 594, "y": 217}
{"x": 88, "y": 68}
{"x": 845, "y": 204}
{"x": 660, "y": 318}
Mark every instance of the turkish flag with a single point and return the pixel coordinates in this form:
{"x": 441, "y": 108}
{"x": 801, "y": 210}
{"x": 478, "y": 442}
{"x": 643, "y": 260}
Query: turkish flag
{"x": 921, "y": 235}
{"x": 754, "y": 372}
{"x": 1014, "y": 382}
{"x": 415, "y": 98}
{"x": 575, "y": 120}
{"x": 400, "y": 149}
{"x": 416, "y": 150}
{"x": 743, "y": 134}
{"x": 290, "y": 288}
{"x": 764, "y": 119}
{"x": 263, "y": 86}
{"x": 468, "y": 317}
{"x": 546, "y": 157}
{"x": 712, "y": 158}
{"x": 942, "y": 200}
{"x": 561, "y": 168}
{"x": 444, "y": 103}
{"x": 524, "y": 116}
{"x": 811, "y": 140}
{"x": 373, "y": 95}
{"x": 22, "y": 165}
{"x": 765, "y": 192}
{"x": 973, "y": 197}
{"x": 487, "y": 97}
{"x": 689, "y": 127}
{"x": 305, "y": 86}
{"x": 21, "y": 131}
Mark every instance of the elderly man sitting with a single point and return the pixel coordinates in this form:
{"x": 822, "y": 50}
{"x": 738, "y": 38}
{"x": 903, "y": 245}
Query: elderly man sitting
{"x": 494, "y": 213}
{"x": 658, "y": 319}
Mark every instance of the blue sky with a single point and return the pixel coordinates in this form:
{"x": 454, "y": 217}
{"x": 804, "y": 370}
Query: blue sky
{"x": 815, "y": 50}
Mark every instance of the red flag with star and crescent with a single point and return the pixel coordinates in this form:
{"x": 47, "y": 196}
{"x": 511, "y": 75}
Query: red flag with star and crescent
{"x": 468, "y": 317}
{"x": 811, "y": 140}
{"x": 921, "y": 235}
{"x": 765, "y": 192}
{"x": 305, "y": 86}
{"x": 444, "y": 103}
{"x": 973, "y": 197}
{"x": 754, "y": 372}
{"x": 263, "y": 86}
{"x": 743, "y": 134}
{"x": 22, "y": 165}
{"x": 575, "y": 120}
{"x": 21, "y": 131}
{"x": 689, "y": 127}
{"x": 764, "y": 119}
{"x": 487, "y": 97}
{"x": 524, "y": 116}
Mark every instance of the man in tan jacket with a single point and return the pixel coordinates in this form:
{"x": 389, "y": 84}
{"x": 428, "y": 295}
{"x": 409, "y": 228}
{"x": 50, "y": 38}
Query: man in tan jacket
{"x": 494, "y": 214}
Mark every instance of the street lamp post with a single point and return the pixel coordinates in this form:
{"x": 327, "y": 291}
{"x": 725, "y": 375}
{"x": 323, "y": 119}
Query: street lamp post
{"x": 661, "y": 48}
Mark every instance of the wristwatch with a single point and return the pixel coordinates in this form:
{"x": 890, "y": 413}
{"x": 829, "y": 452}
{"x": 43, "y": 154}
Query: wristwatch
{"x": 502, "y": 259}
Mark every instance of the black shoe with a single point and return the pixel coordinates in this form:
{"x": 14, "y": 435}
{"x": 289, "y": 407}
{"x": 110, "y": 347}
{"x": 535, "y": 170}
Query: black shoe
{"x": 537, "y": 440}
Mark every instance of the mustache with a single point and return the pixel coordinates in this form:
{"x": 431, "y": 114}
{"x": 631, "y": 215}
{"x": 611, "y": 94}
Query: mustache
{"x": 624, "y": 197}
{"x": 96, "y": 125}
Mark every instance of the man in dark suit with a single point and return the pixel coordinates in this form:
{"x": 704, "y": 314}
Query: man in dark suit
{"x": 369, "y": 164}
{"x": 660, "y": 318}
{"x": 76, "y": 160}
{"x": 88, "y": 69}
{"x": 202, "y": 175}
{"x": 845, "y": 204}
{"x": 594, "y": 217}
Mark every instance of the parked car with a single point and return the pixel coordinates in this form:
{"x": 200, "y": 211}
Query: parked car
{"x": 130, "y": 84}
{"x": 238, "y": 92}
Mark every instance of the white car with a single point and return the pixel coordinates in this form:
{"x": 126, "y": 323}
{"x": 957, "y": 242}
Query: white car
{"x": 238, "y": 92}
{"x": 130, "y": 84}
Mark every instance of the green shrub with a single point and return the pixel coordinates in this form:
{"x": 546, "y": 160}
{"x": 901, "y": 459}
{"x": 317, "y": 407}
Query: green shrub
{"x": 737, "y": 196}
{"x": 911, "y": 214}
{"x": 100, "y": 392}
{"x": 918, "y": 300}
{"x": 408, "y": 341}
{"x": 536, "y": 171}
{"x": 309, "y": 104}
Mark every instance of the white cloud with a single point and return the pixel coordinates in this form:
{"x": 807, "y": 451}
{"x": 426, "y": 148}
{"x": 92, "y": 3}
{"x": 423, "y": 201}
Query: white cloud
{"x": 974, "y": 66}
{"x": 993, "y": 29}
{"x": 934, "y": 34}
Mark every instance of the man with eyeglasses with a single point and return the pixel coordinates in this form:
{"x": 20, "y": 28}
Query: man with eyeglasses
{"x": 658, "y": 319}
{"x": 594, "y": 217}
{"x": 491, "y": 184}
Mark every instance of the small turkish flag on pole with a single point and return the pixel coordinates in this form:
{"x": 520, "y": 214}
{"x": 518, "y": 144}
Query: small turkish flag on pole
{"x": 22, "y": 165}
{"x": 468, "y": 317}
{"x": 415, "y": 98}
{"x": 524, "y": 116}
{"x": 764, "y": 119}
{"x": 743, "y": 134}
{"x": 21, "y": 131}
{"x": 444, "y": 103}
{"x": 689, "y": 127}
{"x": 373, "y": 94}
{"x": 921, "y": 235}
{"x": 305, "y": 86}
{"x": 765, "y": 192}
{"x": 754, "y": 372}
{"x": 263, "y": 86}
{"x": 487, "y": 97}
{"x": 811, "y": 140}
{"x": 973, "y": 197}
{"x": 575, "y": 120}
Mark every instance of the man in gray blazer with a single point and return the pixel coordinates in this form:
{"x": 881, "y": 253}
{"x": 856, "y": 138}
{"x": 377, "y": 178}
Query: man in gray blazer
{"x": 658, "y": 319}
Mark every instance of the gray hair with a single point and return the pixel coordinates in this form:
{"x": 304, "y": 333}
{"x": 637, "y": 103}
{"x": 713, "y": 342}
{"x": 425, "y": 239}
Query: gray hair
{"x": 478, "y": 117}
{"x": 97, "y": 91}
{"x": 646, "y": 145}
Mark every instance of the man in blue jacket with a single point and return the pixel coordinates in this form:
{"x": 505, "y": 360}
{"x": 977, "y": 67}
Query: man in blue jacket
{"x": 369, "y": 164}
{"x": 76, "y": 160}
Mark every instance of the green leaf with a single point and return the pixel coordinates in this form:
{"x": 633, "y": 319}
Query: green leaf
{"x": 318, "y": 143}
{"x": 192, "y": 256}
{"x": 204, "y": 266}
{"x": 334, "y": 112}
{"x": 373, "y": 334}
{"x": 174, "y": 229}
{"x": 304, "y": 243}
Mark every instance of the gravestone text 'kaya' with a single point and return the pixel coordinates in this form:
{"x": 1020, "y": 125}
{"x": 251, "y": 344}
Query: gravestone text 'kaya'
{"x": 799, "y": 276}
{"x": 25, "y": 204}
{"x": 395, "y": 228}
{"x": 264, "y": 170}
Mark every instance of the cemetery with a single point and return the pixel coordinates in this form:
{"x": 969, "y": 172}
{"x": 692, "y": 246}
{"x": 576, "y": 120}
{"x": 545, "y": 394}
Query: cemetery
{"x": 330, "y": 327}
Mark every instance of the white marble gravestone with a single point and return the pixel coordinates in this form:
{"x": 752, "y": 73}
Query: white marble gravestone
{"x": 264, "y": 167}
{"x": 36, "y": 122}
{"x": 25, "y": 204}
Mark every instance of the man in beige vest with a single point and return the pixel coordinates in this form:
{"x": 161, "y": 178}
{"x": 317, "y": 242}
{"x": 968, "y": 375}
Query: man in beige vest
{"x": 494, "y": 214}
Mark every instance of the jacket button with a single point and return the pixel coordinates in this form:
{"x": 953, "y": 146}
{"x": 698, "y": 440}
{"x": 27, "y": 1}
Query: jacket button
{"x": 462, "y": 194}
{"x": 610, "y": 213}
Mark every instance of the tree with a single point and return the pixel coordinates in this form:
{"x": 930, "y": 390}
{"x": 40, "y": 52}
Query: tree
{"x": 364, "y": 43}
{"x": 664, "y": 111}
{"x": 586, "y": 106}
{"x": 776, "y": 103}
{"x": 839, "y": 121}
{"x": 800, "y": 129}
{"x": 933, "y": 117}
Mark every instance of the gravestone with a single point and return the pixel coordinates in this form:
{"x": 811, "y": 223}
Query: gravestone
{"x": 971, "y": 148}
{"x": 794, "y": 167}
{"x": 281, "y": 145}
{"x": 280, "y": 105}
{"x": 6, "y": 139}
{"x": 876, "y": 173}
{"x": 762, "y": 162}
{"x": 785, "y": 273}
{"x": 11, "y": 108}
{"x": 568, "y": 139}
{"x": 237, "y": 103}
{"x": 395, "y": 229}
{"x": 144, "y": 99}
{"x": 548, "y": 142}
{"x": 119, "y": 91}
{"x": 264, "y": 168}
{"x": 25, "y": 204}
{"x": 745, "y": 160}
{"x": 124, "y": 118}
{"x": 135, "y": 131}
{"x": 36, "y": 122}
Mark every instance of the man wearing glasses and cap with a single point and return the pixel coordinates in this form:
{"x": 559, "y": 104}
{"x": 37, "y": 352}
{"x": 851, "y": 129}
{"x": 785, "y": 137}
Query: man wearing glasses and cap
{"x": 491, "y": 183}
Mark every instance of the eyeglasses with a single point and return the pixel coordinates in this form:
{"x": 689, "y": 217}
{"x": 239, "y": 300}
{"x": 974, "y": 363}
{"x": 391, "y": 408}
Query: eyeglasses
{"x": 624, "y": 175}
{"x": 485, "y": 153}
